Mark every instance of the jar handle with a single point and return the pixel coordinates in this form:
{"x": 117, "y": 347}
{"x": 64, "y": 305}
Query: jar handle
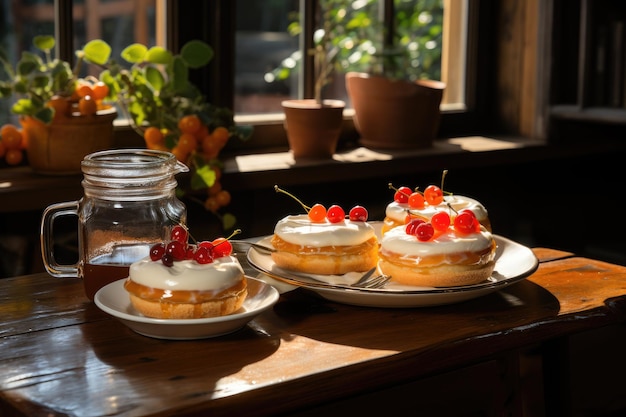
{"x": 50, "y": 214}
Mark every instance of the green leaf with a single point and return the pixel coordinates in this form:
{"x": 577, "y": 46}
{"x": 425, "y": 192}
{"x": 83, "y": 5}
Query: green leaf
{"x": 196, "y": 54}
{"x": 135, "y": 53}
{"x": 44, "y": 42}
{"x": 97, "y": 52}
{"x": 154, "y": 77}
{"x": 228, "y": 221}
{"x": 6, "y": 90}
{"x": 28, "y": 63}
{"x": 206, "y": 177}
{"x": 159, "y": 55}
{"x": 180, "y": 75}
{"x": 23, "y": 106}
{"x": 45, "y": 114}
{"x": 40, "y": 81}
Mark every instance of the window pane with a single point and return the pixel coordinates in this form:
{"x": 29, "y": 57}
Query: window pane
{"x": 21, "y": 21}
{"x": 429, "y": 43}
{"x": 119, "y": 22}
{"x": 262, "y": 44}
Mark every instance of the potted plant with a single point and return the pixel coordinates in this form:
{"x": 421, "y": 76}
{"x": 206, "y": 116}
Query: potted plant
{"x": 313, "y": 126}
{"x": 152, "y": 90}
{"x": 60, "y": 125}
{"x": 395, "y": 104}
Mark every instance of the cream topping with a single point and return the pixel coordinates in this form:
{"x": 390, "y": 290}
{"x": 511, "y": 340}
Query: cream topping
{"x": 397, "y": 211}
{"x": 398, "y": 242}
{"x": 299, "y": 230}
{"x": 188, "y": 275}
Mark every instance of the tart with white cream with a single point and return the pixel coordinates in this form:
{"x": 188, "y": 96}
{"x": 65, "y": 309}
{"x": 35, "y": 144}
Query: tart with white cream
{"x": 438, "y": 253}
{"x": 325, "y": 242}
{"x": 181, "y": 281}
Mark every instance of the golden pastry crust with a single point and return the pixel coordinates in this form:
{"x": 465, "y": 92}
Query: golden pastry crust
{"x": 186, "y": 304}
{"x": 437, "y": 276}
{"x": 329, "y": 260}
{"x": 440, "y": 270}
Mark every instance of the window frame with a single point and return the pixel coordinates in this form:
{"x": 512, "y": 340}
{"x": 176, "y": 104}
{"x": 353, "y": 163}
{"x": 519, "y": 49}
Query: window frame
{"x": 214, "y": 22}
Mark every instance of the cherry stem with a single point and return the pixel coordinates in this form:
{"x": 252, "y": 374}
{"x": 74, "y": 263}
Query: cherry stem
{"x": 443, "y": 177}
{"x": 280, "y": 190}
{"x": 233, "y": 234}
{"x": 391, "y": 187}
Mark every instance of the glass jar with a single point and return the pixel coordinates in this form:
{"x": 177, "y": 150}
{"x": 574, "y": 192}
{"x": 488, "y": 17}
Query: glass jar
{"x": 129, "y": 204}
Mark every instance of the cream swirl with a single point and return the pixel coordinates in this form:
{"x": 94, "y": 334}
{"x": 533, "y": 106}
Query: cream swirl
{"x": 187, "y": 275}
{"x": 397, "y": 211}
{"x": 300, "y": 230}
{"x": 397, "y": 242}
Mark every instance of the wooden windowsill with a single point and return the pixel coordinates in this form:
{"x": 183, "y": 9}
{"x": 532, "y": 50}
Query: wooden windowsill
{"x": 262, "y": 170}
{"x": 22, "y": 190}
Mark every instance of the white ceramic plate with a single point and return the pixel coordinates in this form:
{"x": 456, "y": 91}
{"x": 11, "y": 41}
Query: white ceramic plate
{"x": 113, "y": 299}
{"x": 514, "y": 262}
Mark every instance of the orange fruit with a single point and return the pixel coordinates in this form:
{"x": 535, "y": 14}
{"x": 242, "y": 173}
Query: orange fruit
{"x": 211, "y": 204}
{"x": 223, "y": 198}
{"x": 187, "y": 142}
{"x": 14, "y": 156}
{"x": 153, "y": 136}
{"x": 211, "y": 147}
{"x": 3, "y": 150}
{"x": 189, "y": 124}
{"x": 84, "y": 90}
{"x": 180, "y": 154}
{"x": 100, "y": 90}
{"x": 11, "y": 137}
{"x": 87, "y": 106}
{"x": 221, "y": 135}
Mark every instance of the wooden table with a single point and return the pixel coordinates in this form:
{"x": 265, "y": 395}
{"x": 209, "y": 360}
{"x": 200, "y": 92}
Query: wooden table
{"x": 61, "y": 355}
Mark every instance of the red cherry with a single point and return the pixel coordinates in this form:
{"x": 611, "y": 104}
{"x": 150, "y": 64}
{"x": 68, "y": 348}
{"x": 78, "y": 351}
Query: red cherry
{"x": 433, "y": 195}
{"x": 180, "y": 234}
{"x": 402, "y": 195}
{"x": 335, "y": 214}
{"x": 358, "y": 214}
{"x": 424, "y": 232}
{"x": 317, "y": 213}
{"x": 440, "y": 221}
{"x": 416, "y": 200}
{"x": 176, "y": 249}
{"x": 167, "y": 259}
{"x": 464, "y": 222}
{"x": 203, "y": 255}
{"x": 411, "y": 227}
{"x": 157, "y": 251}
{"x": 206, "y": 244}
{"x": 221, "y": 247}
{"x": 466, "y": 210}
{"x": 190, "y": 252}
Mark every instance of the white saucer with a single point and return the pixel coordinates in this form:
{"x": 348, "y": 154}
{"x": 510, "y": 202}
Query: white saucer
{"x": 114, "y": 300}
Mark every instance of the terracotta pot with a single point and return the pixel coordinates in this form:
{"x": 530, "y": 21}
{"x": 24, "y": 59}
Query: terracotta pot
{"x": 59, "y": 147}
{"x": 394, "y": 113}
{"x": 312, "y": 129}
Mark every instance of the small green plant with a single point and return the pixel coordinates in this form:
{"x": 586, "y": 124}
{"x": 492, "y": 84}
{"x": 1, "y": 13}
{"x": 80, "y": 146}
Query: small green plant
{"x": 352, "y": 38}
{"x": 35, "y": 80}
{"x": 151, "y": 87}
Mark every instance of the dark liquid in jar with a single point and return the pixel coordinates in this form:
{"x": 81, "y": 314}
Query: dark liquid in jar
{"x": 109, "y": 268}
